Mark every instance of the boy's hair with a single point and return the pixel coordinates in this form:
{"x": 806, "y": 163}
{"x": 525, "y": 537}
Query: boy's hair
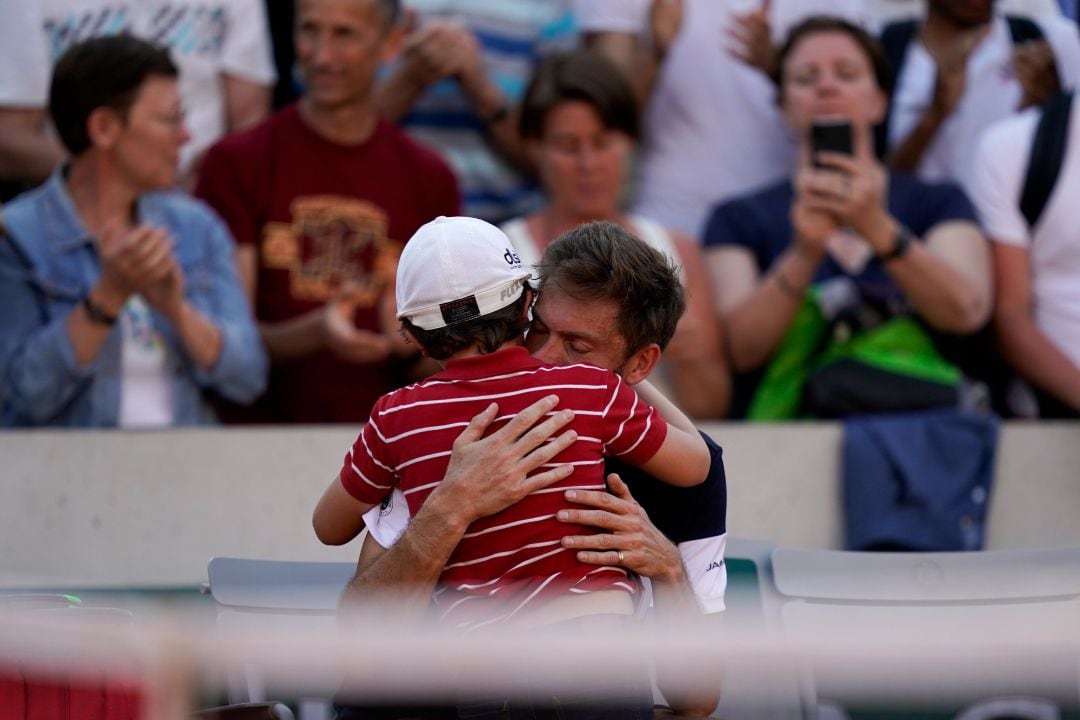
{"x": 582, "y": 75}
{"x": 488, "y": 332}
{"x": 602, "y": 261}
{"x": 101, "y": 72}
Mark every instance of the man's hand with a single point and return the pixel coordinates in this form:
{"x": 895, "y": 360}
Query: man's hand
{"x": 489, "y": 474}
{"x": 752, "y": 40}
{"x": 343, "y": 337}
{"x": 951, "y": 78}
{"x": 438, "y": 50}
{"x": 1036, "y": 70}
{"x": 645, "y": 550}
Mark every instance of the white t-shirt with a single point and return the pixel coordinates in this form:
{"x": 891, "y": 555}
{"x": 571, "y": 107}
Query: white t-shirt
{"x": 207, "y": 40}
{"x": 1054, "y": 248}
{"x": 146, "y": 383}
{"x": 991, "y": 93}
{"x": 712, "y": 128}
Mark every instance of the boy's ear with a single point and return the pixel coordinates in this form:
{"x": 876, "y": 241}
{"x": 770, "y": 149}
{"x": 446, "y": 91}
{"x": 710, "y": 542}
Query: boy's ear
{"x": 411, "y": 339}
{"x": 638, "y": 366}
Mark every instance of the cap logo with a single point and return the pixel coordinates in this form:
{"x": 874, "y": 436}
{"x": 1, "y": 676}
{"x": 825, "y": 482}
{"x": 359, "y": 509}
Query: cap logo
{"x": 512, "y": 258}
{"x": 511, "y": 292}
{"x": 461, "y": 310}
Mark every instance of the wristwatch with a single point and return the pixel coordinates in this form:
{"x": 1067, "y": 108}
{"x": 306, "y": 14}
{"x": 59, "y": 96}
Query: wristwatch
{"x": 96, "y": 313}
{"x": 902, "y": 239}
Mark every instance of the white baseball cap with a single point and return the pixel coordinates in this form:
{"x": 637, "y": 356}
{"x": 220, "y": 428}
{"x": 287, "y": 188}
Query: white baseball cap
{"x": 456, "y": 269}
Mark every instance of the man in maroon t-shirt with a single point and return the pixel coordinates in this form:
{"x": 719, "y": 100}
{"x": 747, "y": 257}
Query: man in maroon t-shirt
{"x": 320, "y": 198}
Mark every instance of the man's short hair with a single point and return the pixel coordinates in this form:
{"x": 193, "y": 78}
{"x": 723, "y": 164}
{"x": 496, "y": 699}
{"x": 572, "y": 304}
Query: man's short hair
{"x": 602, "y": 261}
{"x": 585, "y": 76}
{"x": 487, "y": 333}
{"x": 101, "y": 72}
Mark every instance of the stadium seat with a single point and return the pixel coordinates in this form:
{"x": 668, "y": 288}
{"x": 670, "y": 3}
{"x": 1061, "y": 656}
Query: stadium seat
{"x": 936, "y": 598}
{"x": 256, "y": 594}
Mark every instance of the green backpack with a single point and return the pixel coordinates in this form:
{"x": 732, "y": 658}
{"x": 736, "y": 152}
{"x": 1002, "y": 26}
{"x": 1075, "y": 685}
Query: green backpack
{"x": 826, "y": 369}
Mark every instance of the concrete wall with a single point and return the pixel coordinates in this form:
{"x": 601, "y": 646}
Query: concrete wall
{"x": 150, "y": 508}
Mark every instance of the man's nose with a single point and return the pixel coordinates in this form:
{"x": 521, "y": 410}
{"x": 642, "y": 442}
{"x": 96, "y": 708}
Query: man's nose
{"x": 547, "y": 351}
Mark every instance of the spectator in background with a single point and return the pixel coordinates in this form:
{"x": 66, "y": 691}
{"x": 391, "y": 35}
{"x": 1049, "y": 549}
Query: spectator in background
{"x": 320, "y": 197}
{"x": 579, "y": 124}
{"x": 897, "y": 245}
{"x": 963, "y": 67}
{"x": 1037, "y": 264}
{"x": 456, "y": 85}
{"x": 222, "y": 49}
{"x": 119, "y": 303}
{"x": 711, "y": 129}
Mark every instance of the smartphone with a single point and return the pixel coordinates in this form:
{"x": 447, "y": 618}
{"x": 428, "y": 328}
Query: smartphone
{"x": 831, "y": 136}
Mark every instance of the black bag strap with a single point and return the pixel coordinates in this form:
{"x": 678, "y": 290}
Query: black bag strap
{"x": 895, "y": 39}
{"x": 1047, "y": 154}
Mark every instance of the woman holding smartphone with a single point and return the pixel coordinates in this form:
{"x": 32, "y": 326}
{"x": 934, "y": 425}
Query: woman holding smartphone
{"x": 903, "y": 245}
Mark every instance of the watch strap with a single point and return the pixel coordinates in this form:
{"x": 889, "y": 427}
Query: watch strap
{"x": 902, "y": 239}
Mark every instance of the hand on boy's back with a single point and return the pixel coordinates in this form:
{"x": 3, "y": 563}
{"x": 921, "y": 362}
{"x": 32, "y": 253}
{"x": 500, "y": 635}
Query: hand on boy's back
{"x": 644, "y": 549}
{"x": 489, "y": 474}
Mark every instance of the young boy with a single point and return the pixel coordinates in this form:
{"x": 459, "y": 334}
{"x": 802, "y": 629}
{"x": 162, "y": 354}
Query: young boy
{"x": 463, "y": 297}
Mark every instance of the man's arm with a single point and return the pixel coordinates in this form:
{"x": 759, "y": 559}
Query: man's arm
{"x": 246, "y": 103}
{"x": 1022, "y": 343}
{"x": 485, "y": 475}
{"x": 27, "y": 152}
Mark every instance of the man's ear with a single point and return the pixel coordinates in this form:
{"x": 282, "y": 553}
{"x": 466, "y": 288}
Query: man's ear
{"x": 638, "y": 366}
{"x": 526, "y": 309}
{"x": 392, "y": 43}
{"x": 103, "y": 127}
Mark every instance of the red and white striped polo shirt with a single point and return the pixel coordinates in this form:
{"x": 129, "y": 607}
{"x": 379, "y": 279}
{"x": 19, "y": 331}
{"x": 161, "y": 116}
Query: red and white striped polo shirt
{"x": 514, "y": 558}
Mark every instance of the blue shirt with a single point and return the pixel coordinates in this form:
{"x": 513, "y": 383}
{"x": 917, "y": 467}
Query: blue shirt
{"x": 761, "y": 223}
{"x": 48, "y": 263}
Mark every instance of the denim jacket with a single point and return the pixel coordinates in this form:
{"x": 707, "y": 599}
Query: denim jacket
{"x": 49, "y": 262}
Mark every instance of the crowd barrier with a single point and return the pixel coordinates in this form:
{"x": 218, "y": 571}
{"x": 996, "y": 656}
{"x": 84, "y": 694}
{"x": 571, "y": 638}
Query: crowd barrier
{"x": 148, "y": 509}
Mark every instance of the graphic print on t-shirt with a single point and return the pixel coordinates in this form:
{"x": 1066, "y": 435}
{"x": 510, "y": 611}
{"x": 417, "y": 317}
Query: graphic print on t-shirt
{"x": 185, "y": 28}
{"x": 332, "y": 242}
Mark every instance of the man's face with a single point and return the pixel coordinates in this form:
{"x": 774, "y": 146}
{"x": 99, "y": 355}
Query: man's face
{"x": 339, "y": 47}
{"x": 566, "y": 330}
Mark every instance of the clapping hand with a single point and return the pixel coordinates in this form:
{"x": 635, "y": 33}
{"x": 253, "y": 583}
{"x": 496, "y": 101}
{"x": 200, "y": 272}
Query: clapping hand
{"x": 753, "y": 40}
{"x": 343, "y": 337}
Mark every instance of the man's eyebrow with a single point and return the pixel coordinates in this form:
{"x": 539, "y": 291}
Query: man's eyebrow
{"x": 591, "y": 337}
